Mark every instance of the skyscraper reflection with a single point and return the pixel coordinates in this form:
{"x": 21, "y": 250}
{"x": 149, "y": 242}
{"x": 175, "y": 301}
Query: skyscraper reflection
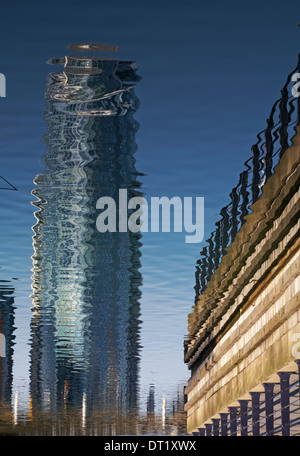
{"x": 85, "y": 325}
{"x": 7, "y": 328}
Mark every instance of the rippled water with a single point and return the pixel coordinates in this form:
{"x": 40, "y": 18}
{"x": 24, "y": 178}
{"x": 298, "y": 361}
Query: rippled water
{"x": 94, "y": 323}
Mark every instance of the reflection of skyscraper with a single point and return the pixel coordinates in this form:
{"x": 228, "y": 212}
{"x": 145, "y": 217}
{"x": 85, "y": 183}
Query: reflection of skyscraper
{"x": 7, "y": 318}
{"x": 151, "y": 401}
{"x": 85, "y": 325}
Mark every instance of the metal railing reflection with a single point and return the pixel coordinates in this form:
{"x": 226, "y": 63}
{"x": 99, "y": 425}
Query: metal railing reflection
{"x": 266, "y": 154}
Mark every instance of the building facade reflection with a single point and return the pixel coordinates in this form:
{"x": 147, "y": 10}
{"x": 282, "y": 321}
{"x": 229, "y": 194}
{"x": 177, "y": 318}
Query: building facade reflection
{"x": 7, "y": 337}
{"x": 85, "y": 329}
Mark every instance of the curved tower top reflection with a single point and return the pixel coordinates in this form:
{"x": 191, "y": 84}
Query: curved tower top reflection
{"x": 85, "y": 345}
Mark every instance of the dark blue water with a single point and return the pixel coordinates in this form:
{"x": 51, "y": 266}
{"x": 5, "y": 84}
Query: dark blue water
{"x": 210, "y": 73}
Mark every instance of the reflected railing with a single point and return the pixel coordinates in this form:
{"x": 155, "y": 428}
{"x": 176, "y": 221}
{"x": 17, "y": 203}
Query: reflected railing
{"x": 267, "y": 152}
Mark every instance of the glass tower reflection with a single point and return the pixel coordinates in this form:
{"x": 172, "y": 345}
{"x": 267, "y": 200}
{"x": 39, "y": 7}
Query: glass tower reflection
{"x": 7, "y": 337}
{"x": 85, "y": 329}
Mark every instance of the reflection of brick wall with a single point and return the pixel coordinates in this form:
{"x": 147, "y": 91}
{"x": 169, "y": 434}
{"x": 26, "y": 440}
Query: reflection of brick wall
{"x": 251, "y": 304}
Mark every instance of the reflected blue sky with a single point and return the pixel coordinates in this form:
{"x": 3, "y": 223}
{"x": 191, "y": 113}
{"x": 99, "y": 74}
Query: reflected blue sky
{"x": 211, "y": 72}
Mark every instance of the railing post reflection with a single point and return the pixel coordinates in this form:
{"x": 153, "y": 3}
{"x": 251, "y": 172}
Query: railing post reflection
{"x": 233, "y": 420}
{"x": 255, "y": 396}
{"x": 266, "y": 153}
